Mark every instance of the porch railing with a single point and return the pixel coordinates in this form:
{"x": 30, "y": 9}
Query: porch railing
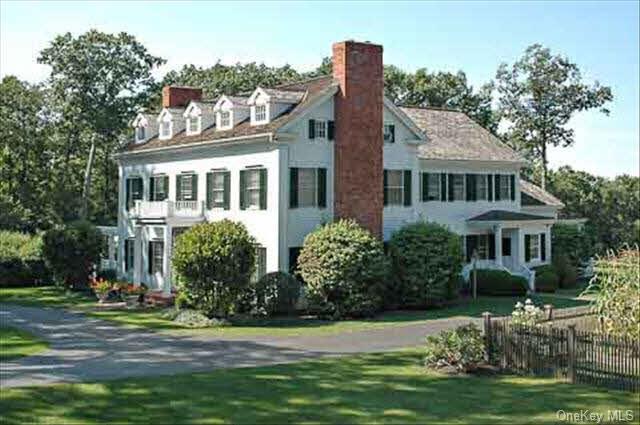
{"x": 164, "y": 209}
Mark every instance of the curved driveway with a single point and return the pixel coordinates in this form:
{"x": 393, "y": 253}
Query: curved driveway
{"x": 88, "y": 349}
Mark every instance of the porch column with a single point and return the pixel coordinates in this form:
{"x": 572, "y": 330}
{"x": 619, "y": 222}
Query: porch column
{"x": 138, "y": 249}
{"x": 548, "y": 244}
{"x": 166, "y": 262}
{"x": 497, "y": 234}
{"x": 520, "y": 242}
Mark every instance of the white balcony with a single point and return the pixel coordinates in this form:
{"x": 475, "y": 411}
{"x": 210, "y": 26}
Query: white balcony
{"x": 166, "y": 209}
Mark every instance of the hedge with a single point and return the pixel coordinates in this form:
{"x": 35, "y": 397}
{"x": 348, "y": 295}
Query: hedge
{"x": 499, "y": 282}
{"x": 547, "y": 279}
{"x": 21, "y": 262}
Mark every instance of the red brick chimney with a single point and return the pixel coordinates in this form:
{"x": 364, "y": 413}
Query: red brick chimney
{"x": 358, "y": 133}
{"x": 174, "y": 97}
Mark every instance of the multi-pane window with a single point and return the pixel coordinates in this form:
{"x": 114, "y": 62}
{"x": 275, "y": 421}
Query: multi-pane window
{"x": 225, "y": 119}
{"x": 483, "y": 247}
{"x": 165, "y": 129}
{"x": 187, "y": 187}
{"x": 394, "y": 187}
{"x": 252, "y": 191}
{"x": 156, "y": 256}
{"x": 260, "y": 113}
{"x": 307, "y": 187}
{"x": 159, "y": 188}
{"x": 321, "y": 129}
{"x": 217, "y": 186}
{"x": 133, "y": 191}
{"x": 140, "y": 133}
{"x": 433, "y": 187}
{"x": 534, "y": 247}
{"x": 193, "y": 125}
{"x": 458, "y": 187}
{"x": 261, "y": 264}
{"x": 129, "y": 245}
{"x": 505, "y": 186}
{"x": 389, "y": 131}
{"x": 481, "y": 187}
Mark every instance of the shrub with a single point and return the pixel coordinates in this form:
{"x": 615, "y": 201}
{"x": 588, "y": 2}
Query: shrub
{"x": 344, "y": 267}
{"x": 214, "y": 262}
{"x": 71, "y": 251}
{"x": 566, "y": 271}
{"x": 21, "y": 262}
{"x": 616, "y": 286}
{"x": 527, "y": 314}
{"x": 500, "y": 282}
{"x": 546, "y": 279}
{"x": 195, "y": 319}
{"x": 273, "y": 293}
{"x": 426, "y": 259}
{"x": 572, "y": 241}
{"x": 461, "y": 348}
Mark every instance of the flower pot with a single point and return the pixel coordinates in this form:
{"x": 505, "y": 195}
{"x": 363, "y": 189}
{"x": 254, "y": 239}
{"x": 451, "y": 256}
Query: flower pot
{"x": 132, "y": 300}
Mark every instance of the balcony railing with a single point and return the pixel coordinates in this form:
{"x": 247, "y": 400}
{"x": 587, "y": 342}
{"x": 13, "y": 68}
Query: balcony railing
{"x": 164, "y": 209}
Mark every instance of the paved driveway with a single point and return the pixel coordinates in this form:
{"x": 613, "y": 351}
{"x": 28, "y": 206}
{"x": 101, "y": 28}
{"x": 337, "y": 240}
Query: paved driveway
{"x": 88, "y": 349}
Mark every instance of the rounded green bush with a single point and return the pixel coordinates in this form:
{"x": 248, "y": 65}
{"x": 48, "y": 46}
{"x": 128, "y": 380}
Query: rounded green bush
{"x": 274, "y": 293}
{"x": 426, "y": 260}
{"x": 21, "y": 260}
{"x": 213, "y": 263}
{"x": 567, "y": 272}
{"x": 344, "y": 268}
{"x": 461, "y": 348}
{"x": 546, "y": 279}
{"x": 500, "y": 282}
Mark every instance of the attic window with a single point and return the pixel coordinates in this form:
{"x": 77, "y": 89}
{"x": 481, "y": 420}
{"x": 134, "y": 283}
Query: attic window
{"x": 260, "y": 113}
{"x": 225, "y": 119}
{"x": 321, "y": 129}
{"x": 140, "y": 133}
{"x": 193, "y": 125}
{"x": 165, "y": 129}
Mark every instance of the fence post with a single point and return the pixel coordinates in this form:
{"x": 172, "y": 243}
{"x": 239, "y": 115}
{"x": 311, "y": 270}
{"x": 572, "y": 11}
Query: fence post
{"x": 549, "y": 309}
{"x": 487, "y": 335}
{"x": 571, "y": 353}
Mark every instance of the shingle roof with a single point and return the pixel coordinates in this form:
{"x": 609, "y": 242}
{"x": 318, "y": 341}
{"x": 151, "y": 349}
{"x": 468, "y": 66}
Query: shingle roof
{"x": 285, "y": 96}
{"x": 501, "y": 215}
{"x": 535, "y": 195}
{"x": 452, "y": 135}
{"x": 313, "y": 89}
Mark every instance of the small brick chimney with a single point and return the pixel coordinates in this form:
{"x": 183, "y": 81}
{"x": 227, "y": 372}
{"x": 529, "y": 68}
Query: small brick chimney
{"x": 358, "y": 133}
{"x": 174, "y": 97}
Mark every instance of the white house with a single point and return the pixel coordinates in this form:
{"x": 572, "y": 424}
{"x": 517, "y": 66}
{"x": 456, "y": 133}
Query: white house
{"x": 284, "y": 160}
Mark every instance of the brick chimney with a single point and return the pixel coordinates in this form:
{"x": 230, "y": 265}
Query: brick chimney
{"x": 174, "y": 97}
{"x": 358, "y": 133}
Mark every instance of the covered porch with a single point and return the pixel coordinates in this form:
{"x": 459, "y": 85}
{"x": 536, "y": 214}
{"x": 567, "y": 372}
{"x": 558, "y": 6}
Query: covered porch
{"x": 507, "y": 240}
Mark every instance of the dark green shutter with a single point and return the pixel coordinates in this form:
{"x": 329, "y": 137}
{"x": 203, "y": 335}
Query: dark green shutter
{"x": 407, "y": 188}
{"x": 209, "y": 191}
{"x": 497, "y": 191}
{"x": 152, "y": 189}
{"x": 451, "y": 187}
{"x": 331, "y": 130}
{"x": 490, "y": 187}
{"x": 443, "y": 187}
{"x": 312, "y": 129}
{"x": 194, "y": 187}
{"x": 492, "y": 247}
{"x": 527, "y": 248}
{"x": 263, "y": 189}
{"x": 243, "y": 189}
{"x": 513, "y": 187}
{"x": 293, "y": 188}
{"x": 165, "y": 182}
{"x": 322, "y": 187}
{"x": 150, "y": 257}
{"x": 392, "y": 129}
{"x": 425, "y": 187}
{"x": 543, "y": 246}
{"x": 472, "y": 194}
{"x": 385, "y": 196}
{"x": 227, "y": 190}
{"x": 178, "y": 187}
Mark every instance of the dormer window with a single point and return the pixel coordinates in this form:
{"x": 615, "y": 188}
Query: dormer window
{"x": 165, "y": 129}
{"x": 140, "y": 133}
{"x": 321, "y": 129}
{"x": 225, "y": 119}
{"x": 260, "y": 113}
{"x": 193, "y": 125}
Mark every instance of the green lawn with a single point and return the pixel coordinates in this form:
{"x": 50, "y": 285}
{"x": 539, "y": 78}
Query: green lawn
{"x": 15, "y": 343}
{"x": 152, "y": 318}
{"x": 374, "y": 388}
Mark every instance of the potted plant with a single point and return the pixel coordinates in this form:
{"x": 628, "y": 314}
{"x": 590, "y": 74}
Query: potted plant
{"x": 132, "y": 294}
{"x": 102, "y": 288}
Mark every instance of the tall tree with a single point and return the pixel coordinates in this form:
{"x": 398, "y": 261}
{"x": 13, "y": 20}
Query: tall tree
{"x": 99, "y": 81}
{"x": 538, "y": 95}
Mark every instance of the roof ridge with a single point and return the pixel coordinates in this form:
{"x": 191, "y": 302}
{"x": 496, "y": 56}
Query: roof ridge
{"x": 432, "y": 108}
{"x": 294, "y": 83}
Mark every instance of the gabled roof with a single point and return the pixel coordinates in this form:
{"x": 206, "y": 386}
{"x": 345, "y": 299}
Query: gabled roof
{"x": 452, "y": 135}
{"x": 501, "y": 215}
{"x": 532, "y": 195}
{"x": 277, "y": 95}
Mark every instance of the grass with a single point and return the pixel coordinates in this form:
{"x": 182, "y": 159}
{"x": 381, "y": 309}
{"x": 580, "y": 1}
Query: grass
{"x": 375, "y": 388}
{"x": 15, "y": 344}
{"x": 286, "y": 326}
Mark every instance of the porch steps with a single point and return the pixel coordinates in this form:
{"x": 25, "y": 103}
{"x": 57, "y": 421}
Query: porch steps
{"x": 159, "y": 299}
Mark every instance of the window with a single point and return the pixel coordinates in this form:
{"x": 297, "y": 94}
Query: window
{"x": 158, "y": 188}
{"x": 129, "y": 245}
{"x": 457, "y": 189}
{"x": 321, "y": 129}
{"x": 294, "y": 253}
{"x": 225, "y": 119}
{"x": 481, "y": 187}
{"x": 483, "y": 245}
{"x": 187, "y": 187}
{"x": 218, "y": 183}
{"x": 534, "y": 247}
{"x": 505, "y": 186}
{"x": 140, "y": 133}
{"x": 156, "y": 256}
{"x": 260, "y": 113}
{"x": 430, "y": 187}
{"x": 394, "y": 187}
{"x": 389, "y": 133}
{"x": 165, "y": 129}
{"x": 261, "y": 264}
{"x": 193, "y": 125}
{"x": 253, "y": 189}
{"x": 506, "y": 247}
{"x": 133, "y": 191}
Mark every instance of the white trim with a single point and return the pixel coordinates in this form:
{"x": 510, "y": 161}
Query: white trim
{"x": 258, "y": 91}
{"x": 188, "y": 124}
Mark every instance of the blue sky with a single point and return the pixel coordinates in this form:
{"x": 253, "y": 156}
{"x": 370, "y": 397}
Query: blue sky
{"x": 601, "y": 37}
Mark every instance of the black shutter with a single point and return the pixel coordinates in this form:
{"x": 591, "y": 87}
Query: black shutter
{"x": 492, "y": 247}
{"x": 322, "y": 187}
{"x": 513, "y": 187}
{"x": 443, "y": 187}
{"x": 392, "y": 129}
{"x": 312, "y": 129}
{"x": 263, "y": 189}
{"x": 178, "y": 187}
{"x": 527, "y": 248}
{"x": 243, "y": 186}
{"x": 150, "y": 257}
{"x": 152, "y": 189}
{"x": 209, "y": 191}
{"x": 293, "y": 188}
{"x": 450, "y": 187}
{"x": 497, "y": 191}
{"x": 165, "y": 182}
{"x": 194, "y": 187}
{"x": 471, "y": 187}
{"x": 489, "y": 187}
{"x": 407, "y": 188}
{"x": 425, "y": 187}
{"x": 227, "y": 190}
{"x": 385, "y": 195}
{"x": 543, "y": 246}
{"x": 331, "y": 130}
{"x": 472, "y": 243}
{"x": 127, "y": 266}
{"x": 294, "y": 253}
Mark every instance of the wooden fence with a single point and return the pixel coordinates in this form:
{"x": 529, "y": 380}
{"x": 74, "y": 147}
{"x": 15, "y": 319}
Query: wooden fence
{"x": 565, "y": 353}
